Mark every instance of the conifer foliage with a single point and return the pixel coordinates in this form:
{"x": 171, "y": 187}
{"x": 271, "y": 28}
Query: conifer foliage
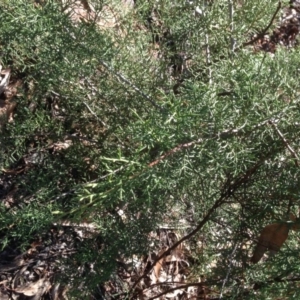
{"x": 149, "y": 149}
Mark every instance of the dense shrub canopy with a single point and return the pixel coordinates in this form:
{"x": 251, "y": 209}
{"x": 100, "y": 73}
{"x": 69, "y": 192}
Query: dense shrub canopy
{"x": 153, "y": 117}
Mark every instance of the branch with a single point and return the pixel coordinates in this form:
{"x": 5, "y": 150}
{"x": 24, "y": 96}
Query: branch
{"x": 225, "y": 134}
{"x": 208, "y": 59}
{"x": 186, "y": 237}
{"x": 182, "y": 286}
{"x": 266, "y": 29}
{"x": 70, "y": 136}
{"x": 224, "y": 196}
{"x": 174, "y": 150}
{"x": 231, "y": 12}
{"x": 222, "y": 135}
{"x": 94, "y": 114}
{"x": 229, "y": 270}
{"x": 294, "y": 154}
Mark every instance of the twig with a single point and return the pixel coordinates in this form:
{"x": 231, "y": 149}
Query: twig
{"x": 208, "y": 60}
{"x": 71, "y": 136}
{"x": 88, "y": 107}
{"x": 229, "y": 270}
{"x": 232, "y": 40}
{"x": 294, "y": 154}
{"x": 174, "y": 150}
{"x": 182, "y": 286}
{"x": 266, "y": 29}
{"x": 93, "y": 113}
{"x": 222, "y": 135}
{"x": 111, "y": 173}
{"x": 224, "y": 196}
{"x": 62, "y": 195}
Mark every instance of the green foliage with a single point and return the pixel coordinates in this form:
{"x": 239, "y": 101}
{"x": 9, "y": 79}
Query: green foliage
{"x": 224, "y": 128}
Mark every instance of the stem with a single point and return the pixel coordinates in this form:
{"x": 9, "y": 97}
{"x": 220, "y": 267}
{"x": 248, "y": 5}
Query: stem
{"x": 224, "y": 196}
{"x": 259, "y": 36}
{"x": 231, "y": 13}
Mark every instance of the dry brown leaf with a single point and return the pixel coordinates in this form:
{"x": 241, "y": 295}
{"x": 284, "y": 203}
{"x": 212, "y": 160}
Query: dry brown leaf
{"x": 272, "y": 237}
{"x": 58, "y": 146}
{"x": 158, "y": 266}
{"x": 33, "y": 288}
{"x": 16, "y": 171}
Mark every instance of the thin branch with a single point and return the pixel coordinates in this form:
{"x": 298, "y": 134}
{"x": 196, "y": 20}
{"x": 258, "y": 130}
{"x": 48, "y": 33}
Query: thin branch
{"x": 260, "y": 35}
{"x": 229, "y": 133}
{"x": 292, "y": 151}
{"x": 229, "y": 270}
{"x": 94, "y": 114}
{"x": 62, "y": 195}
{"x": 110, "y": 173}
{"x": 208, "y": 59}
{"x": 225, "y": 134}
{"x": 182, "y": 286}
{"x": 232, "y": 40}
{"x": 174, "y": 150}
{"x": 224, "y": 196}
{"x": 175, "y": 245}
{"x": 70, "y": 136}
